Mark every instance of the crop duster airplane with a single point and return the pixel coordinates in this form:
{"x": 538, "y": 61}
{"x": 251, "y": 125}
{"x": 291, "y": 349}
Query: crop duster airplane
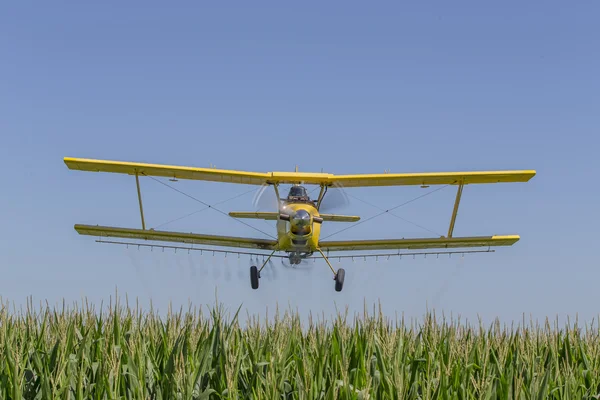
{"x": 298, "y": 216}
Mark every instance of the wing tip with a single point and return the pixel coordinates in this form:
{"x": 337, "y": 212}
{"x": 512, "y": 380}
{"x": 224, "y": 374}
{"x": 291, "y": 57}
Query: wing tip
{"x": 69, "y": 162}
{"x": 530, "y": 173}
{"x": 508, "y": 239}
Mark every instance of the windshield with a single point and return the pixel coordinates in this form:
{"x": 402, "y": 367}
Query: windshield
{"x": 297, "y": 191}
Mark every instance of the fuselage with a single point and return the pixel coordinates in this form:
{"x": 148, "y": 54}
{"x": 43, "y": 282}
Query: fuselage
{"x": 301, "y": 233}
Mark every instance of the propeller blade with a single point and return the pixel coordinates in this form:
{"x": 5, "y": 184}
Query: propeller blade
{"x": 335, "y": 199}
{"x": 265, "y": 200}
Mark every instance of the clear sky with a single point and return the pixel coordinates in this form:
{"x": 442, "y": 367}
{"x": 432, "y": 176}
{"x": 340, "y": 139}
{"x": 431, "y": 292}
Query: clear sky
{"x": 347, "y": 87}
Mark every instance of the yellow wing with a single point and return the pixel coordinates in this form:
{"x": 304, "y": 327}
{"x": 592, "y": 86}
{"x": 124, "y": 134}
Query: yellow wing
{"x": 339, "y": 218}
{"x": 168, "y": 171}
{"x": 269, "y": 216}
{"x": 182, "y": 237}
{"x": 260, "y": 178}
{"x": 414, "y": 244}
{"x": 433, "y": 178}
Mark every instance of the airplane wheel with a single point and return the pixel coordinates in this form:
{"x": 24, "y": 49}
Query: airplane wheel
{"x": 339, "y": 280}
{"x": 254, "y": 277}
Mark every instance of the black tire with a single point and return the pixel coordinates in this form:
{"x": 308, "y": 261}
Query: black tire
{"x": 339, "y": 280}
{"x": 254, "y": 277}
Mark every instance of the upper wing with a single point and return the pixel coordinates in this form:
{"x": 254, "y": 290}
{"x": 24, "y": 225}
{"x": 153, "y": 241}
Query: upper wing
{"x": 169, "y": 171}
{"x": 182, "y": 237}
{"x": 260, "y": 178}
{"x": 433, "y": 178}
{"x": 414, "y": 244}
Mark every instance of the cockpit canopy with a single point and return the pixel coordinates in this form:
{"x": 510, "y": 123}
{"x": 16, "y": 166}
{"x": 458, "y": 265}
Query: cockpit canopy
{"x": 298, "y": 192}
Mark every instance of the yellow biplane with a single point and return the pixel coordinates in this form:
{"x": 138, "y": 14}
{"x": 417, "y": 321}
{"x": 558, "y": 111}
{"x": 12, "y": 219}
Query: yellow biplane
{"x": 298, "y": 217}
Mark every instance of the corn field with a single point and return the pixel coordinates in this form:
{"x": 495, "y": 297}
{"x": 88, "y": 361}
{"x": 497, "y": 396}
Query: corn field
{"x": 126, "y": 353}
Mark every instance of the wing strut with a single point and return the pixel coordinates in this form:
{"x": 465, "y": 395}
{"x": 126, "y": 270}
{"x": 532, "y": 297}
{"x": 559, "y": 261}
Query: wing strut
{"x": 276, "y": 188}
{"x": 137, "y": 183}
{"x": 321, "y": 195}
{"x": 455, "y": 211}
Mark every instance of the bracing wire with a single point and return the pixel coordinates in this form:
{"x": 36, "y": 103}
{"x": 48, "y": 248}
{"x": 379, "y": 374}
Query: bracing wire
{"x": 210, "y": 206}
{"x": 205, "y": 208}
{"x": 387, "y": 211}
{"x": 396, "y": 215}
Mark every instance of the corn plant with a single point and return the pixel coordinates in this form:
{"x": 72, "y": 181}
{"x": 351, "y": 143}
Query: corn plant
{"x": 126, "y": 353}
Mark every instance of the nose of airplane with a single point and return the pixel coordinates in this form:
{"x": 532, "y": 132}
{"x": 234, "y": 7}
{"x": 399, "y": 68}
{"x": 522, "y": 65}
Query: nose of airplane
{"x": 302, "y": 218}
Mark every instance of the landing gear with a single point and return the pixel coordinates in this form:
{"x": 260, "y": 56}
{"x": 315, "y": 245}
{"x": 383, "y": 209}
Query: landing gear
{"x": 255, "y": 272}
{"x": 254, "y": 277}
{"x": 337, "y": 276}
{"x": 339, "y": 280}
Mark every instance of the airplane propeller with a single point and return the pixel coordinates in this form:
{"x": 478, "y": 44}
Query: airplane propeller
{"x": 264, "y": 200}
{"x": 335, "y": 199}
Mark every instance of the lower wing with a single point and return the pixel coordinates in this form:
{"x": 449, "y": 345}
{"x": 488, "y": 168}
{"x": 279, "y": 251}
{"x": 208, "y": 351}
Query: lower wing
{"x": 415, "y": 244}
{"x": 181, "y": 237}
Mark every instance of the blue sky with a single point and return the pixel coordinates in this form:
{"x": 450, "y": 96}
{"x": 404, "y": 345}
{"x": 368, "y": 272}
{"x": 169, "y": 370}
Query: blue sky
{"x": 345, "y": 87}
